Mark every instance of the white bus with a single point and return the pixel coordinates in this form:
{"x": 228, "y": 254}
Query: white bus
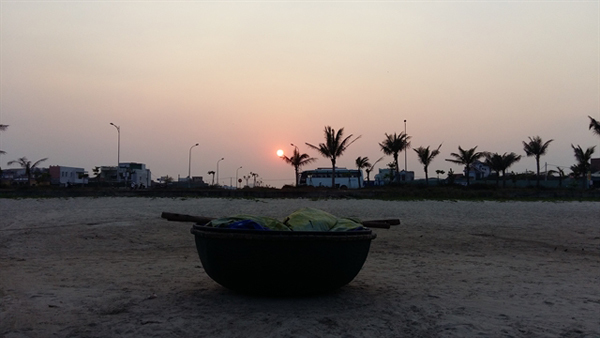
{"x": 321, "y": 177}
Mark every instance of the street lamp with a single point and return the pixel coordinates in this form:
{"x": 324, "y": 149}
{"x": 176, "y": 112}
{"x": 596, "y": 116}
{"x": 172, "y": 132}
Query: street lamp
{"x": 236, "y": 176}
{"x": 218, "y": 169}
{"x": 405, "y": 150}
{"x": 118, "y": 149}
{"x": 190, "y": 163}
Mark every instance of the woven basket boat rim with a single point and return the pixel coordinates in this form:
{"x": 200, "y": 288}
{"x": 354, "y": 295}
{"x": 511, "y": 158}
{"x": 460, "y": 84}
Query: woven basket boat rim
{"x": 224, "y": 233}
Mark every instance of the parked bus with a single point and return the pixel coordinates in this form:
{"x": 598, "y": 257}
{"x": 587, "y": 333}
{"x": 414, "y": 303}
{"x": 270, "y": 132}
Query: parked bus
{"x": 321, "y": 177}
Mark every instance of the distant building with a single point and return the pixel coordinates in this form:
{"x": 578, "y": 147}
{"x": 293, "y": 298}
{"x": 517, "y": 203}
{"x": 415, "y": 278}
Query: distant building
{"x": 135, "y": 173}
{"x": 127, "y": 173}
{"x": 385, "y": 176}
{"x": 478, "y": 170}
{"x": 39, "y": 176}
{"x": 595, "y": 165}
{"x": 62, "y": 175}
{"x": 198, "y": 179}
{"x": 13, "y": 176}
{"x": 107, "y": 174}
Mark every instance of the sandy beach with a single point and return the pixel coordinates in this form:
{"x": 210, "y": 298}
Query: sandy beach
{"x": 101, "y": 267}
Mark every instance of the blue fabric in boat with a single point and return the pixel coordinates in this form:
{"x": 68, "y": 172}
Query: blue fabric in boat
{"x": 248, "y": 222}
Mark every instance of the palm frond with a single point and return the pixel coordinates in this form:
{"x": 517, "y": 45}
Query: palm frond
{"x": 594, "y": 126}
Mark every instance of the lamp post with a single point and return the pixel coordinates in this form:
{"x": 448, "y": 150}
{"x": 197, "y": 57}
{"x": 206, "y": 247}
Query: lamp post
{"x": 190, "y": 164}
{"x": 222, "y": 158}
{"x": 118, "y": 149}
{"x": 236, "y": 176}
{"x": 405, "y": 150}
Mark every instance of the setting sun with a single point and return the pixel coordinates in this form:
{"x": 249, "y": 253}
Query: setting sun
{"x": 279, "y": 152}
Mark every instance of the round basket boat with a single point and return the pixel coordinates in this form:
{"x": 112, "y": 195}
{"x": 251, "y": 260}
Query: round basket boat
{"x": 281, "y": 263}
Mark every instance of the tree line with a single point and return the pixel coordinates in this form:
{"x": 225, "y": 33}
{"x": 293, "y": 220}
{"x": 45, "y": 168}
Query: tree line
{"x": 336, "y": 144}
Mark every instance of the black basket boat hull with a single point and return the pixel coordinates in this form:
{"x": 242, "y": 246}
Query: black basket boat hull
{"x": 281, "y": 262}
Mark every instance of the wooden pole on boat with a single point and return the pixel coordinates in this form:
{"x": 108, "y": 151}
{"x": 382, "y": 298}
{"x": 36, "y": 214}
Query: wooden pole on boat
{"x": 379, "y": 224}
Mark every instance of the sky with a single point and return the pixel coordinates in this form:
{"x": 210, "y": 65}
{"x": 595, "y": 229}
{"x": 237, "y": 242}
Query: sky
{"x": 246, "y": 78}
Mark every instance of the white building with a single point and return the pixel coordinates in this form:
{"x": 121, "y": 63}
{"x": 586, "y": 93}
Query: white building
{"x": 67, "y": 175}
{"x": 478, "y": 170}
{"x": 128, "y": 173}
{"x": 135, "y": 173}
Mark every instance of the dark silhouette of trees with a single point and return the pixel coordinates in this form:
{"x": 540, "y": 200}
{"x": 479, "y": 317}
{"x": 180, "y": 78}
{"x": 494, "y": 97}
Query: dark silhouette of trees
{"x": 394, "y": 144}
{"x": 254, "y": 175}
{"x": 507, "y": 161}
{"x": 425, "y": 156}
{"x": 334, "y": 147}
{"x": 499, "y": 163}
{"x": 583, "y": 158}
{"x": 594, "y": 126}
{"x": 371, "y": 168}
{"x": 297, "y": 161}
{"x": 561, "y": 175}
{"x": 213, "y": 176}
{"x": 439, "y": 172}
{"x": 27, "y": 165}
{"x": 494, "y": 161}
{"x": 466, "y": 158}
{"x": 537, "y": 148}
{"x": 361, "y": 163}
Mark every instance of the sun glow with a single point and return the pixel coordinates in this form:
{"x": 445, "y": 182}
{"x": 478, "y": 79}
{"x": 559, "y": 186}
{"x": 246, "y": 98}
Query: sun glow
{"x": 279, "y": 152}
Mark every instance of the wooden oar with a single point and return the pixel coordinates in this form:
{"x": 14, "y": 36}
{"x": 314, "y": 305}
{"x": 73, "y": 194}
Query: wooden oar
{"x": 380, "y": 224}
{"x": 169, "y": 216}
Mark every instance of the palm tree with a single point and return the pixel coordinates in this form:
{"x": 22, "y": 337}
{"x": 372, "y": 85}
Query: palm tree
{"x": 466, "y": 158}
{"x": 371, "y": 168}
{"x": 213, "y": 177}
{"x": 576, "y": 171}
{"x": 536, "y": 147}
{"x": 27, "y": 165}
{"x": 494, "y": 161}
{"x": 255, "y": 175}
{"x": 583, "y": 160}
{"x": 507, "y": 161}
{"x": 425, "y": 157}
{"x": 438, "y": 172}
{"x": 362, "y": 162}
{"x": 561, "y": 174}
{"x": 393, "y": 144}
{"x": 335, "y": 145}
{"x": 297, "y": 161}
{"x": 499, "y": 163}
{"x": 594, "y": 126}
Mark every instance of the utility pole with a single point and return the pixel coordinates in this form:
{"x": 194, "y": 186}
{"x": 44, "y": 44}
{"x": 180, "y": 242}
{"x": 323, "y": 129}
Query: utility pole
{"x": 405, "y": 150}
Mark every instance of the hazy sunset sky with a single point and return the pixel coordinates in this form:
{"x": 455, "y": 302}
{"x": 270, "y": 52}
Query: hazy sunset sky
{"x": 244, "y": 79}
